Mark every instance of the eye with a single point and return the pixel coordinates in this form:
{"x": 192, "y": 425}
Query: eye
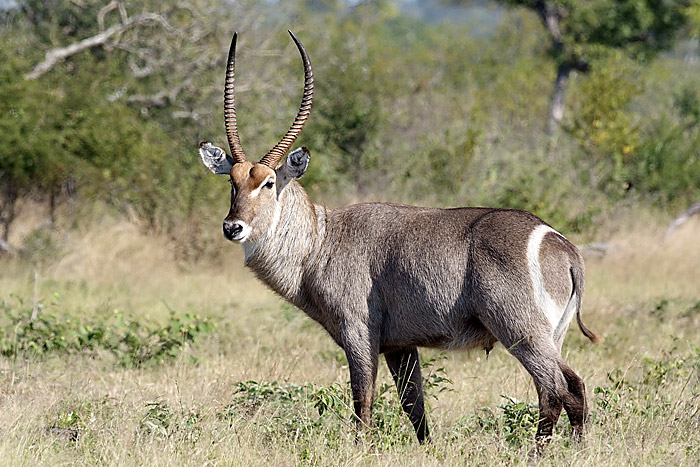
{"x": 269, "y": 184}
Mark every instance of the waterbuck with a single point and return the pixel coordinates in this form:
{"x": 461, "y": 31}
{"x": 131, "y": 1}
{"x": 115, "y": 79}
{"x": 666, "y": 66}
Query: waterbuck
{"x": 387, "y": 279}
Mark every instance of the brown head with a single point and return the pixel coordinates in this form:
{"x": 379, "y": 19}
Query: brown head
{"x": 256, "y": 186}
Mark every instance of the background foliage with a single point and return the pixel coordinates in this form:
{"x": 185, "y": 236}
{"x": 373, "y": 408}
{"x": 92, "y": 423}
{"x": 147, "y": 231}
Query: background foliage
{"x": 407, "y": 108}
{"x": 111, "y": 218}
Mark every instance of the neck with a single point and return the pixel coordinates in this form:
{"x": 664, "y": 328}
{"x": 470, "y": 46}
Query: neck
{"x": 280, "y": 256}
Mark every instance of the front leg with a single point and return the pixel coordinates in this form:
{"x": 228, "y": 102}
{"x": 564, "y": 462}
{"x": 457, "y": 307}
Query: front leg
{"x": 362, "y": 353}
{"x": 404, "y": 366}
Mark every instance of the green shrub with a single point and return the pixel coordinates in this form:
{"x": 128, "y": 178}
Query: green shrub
{"x": 667, "y": 164}
{"x": 644, "y": 392}
{"x": 24, "y": 333}
{"x": 435, "y": 381}
{"x": 286, "y": 411}
{"x": 604, "y": 125}
{"x": 519, "y": 420}
{"x": 162, "y": 422}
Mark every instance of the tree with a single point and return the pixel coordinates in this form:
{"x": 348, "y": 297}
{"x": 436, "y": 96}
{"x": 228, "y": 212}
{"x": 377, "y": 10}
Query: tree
{"x": 31, "y": 160}
{"x": 65, "y": 130}
{"x": 52, "y": 136}
{"x": 581, "y": 32}
{"x": 348, "y": 109}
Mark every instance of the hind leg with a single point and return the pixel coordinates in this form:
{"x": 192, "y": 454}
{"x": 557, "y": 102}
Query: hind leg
{"x": 557, "y": 386}
{"x": 575, "y": 401}
{"x": 538, "y": 353}
{"x": 541, "y": 360}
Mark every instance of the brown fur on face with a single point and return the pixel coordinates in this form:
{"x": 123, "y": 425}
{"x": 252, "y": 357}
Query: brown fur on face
{"x": 251, "y": 202}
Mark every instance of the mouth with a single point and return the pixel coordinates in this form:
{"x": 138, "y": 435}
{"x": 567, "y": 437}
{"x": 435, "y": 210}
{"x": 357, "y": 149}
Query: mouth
{"x": 238, "y": 238}
{"x": 237, "y": 232}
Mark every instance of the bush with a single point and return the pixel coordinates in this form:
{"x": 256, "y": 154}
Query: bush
{"x": 26, "y": 333}
{"x": 604, "y": 125}
{"x": 285, "y": 411}
{"x": 667, "y": 165}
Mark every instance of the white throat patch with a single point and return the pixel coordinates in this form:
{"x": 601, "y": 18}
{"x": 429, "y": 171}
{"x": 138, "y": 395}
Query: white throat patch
{"x": 250, "y": 247}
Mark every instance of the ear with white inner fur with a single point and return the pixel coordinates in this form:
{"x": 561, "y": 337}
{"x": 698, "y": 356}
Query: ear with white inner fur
{"x": 294, "y": 167}
{"x": 215, "y": 158}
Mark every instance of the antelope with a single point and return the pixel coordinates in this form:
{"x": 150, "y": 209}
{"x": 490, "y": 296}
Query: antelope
{"x": 386, "y": 279}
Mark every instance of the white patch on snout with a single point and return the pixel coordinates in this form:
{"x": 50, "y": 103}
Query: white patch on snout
{"x": 243, "y": 234}
{"x": 256, "y": 192}
{"x": 553, "y": 312}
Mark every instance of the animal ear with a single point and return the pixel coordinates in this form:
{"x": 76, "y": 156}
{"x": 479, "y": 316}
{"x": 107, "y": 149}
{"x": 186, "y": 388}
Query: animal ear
{"x": 294, "y": 167}
{"x": 215, "y": 158}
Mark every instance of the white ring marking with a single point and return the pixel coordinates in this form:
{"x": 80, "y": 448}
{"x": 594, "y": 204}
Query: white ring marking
{"x": 544, "y": 301}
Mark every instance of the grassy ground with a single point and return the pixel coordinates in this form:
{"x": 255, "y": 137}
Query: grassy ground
{"x": 267, "y": 386}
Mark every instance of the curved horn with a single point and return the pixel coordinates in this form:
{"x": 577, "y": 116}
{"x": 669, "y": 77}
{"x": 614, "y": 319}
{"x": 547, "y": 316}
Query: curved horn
{"x": 272, "y": 158}
{"x": 234, "y": 141}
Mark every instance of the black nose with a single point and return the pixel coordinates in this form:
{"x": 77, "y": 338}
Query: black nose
{"x": 232, "y": 229}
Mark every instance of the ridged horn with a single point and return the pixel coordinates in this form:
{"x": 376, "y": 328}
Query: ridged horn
{"x": 234, "y": 142}
{"x": 272, "y": 158}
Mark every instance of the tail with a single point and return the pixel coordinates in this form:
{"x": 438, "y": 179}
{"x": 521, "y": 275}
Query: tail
{"x": 577, "y": 278}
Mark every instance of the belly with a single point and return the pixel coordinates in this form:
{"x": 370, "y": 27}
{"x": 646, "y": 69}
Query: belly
{"x": 460, "y": 330}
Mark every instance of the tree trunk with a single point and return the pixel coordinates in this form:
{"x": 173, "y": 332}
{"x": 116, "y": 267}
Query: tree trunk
{"x": 52, "y": 207}
{"x": 556, "y": 103}
{"x": 550, "y": 14}
{"x": 7, "y": 215}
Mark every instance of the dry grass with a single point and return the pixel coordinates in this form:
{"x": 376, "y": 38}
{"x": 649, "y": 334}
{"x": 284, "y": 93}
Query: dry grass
{"x": 642, "y": 296}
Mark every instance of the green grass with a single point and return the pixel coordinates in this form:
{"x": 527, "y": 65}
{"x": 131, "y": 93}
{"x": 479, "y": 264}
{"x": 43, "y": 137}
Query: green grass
{"x": 267, "y": 386}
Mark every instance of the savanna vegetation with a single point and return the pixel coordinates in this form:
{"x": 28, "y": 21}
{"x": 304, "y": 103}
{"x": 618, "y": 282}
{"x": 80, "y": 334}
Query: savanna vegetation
{"x": 130, "y": 333}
